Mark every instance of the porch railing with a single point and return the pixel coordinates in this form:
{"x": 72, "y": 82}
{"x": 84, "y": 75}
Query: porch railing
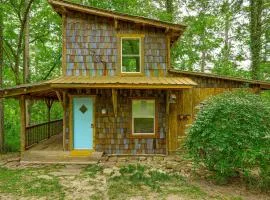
{"x": 37, "y": 133}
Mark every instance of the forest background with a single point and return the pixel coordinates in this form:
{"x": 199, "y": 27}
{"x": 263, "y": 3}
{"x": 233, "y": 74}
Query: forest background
{"x": 225, "y": 37}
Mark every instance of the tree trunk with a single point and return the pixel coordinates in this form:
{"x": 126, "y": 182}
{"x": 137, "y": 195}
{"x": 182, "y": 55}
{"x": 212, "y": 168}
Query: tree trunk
{"x": 26, "y": 63}
{"x": 2, "y": 138}
{"x": 203, "y": 61}
{"x": 255, "y": 36}
{"x": 169, "y": 9}
{"x": 226, "y": 32}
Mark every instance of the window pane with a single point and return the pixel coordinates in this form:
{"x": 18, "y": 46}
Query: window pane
{"x": 130, "y": 64}
{"x": 143, "y": 125}
{"x": 130, "y": 46}
{"x": 143, "y": 115}
{"x": 143, "y": 108}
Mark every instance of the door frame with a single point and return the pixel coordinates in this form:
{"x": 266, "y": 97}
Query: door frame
{"x": 71, "y": 122}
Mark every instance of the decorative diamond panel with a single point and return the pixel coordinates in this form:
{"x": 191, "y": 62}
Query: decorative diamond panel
{"x": 83, "y": 109}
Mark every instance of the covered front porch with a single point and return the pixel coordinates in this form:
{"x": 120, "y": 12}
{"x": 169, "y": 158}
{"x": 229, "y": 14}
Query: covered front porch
{"x": 112, "y": 121}
{"x": 50, "y": 151}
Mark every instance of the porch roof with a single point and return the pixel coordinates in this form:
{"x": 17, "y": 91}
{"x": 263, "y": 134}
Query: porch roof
{"x": 47, "y": 89}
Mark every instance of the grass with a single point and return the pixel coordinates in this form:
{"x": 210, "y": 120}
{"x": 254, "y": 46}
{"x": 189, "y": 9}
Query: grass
{"x": 136, "y": 178}
{"x": 131, "y": 181}
{"x": 26, "y": 182}
{"x": 92, "y": 170}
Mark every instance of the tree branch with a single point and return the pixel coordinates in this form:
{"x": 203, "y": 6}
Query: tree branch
{"x": 8, "y": 56}
{"x": 10, "y": 48}
{"x": 20, "y": 38}
{"x": 52, "y": 68}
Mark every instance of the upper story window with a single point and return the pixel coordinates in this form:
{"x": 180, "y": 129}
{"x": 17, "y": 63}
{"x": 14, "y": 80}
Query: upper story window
{"x": 131, "y": 55}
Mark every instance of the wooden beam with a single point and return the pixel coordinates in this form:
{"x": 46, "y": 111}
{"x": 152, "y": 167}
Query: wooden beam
{"x": 120, "y": 86}
{"x": 114, "y": 101}
{"x": 168, "y": 102}
{"x": 23, "y": 123}
{"x": 173, "y": 126}
{"x": 59, "y": 97}
{"x": 115, "y": 24}
{"x": 168, "y": 52}
{"x": 64, "y": 45}
{"x": 23, "y": 91}
{"x": 167, "y": 121}
{"x": 49, "y": 103}
{"x": 64, "y": 119}
{"x": 111, "y": 14}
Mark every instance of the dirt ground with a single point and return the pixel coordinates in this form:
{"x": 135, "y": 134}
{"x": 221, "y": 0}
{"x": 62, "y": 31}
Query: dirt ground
{"x": 114, "y": 179}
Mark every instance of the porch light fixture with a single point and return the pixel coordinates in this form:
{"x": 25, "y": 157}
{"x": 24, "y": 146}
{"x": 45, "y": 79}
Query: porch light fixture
{"x": 172, "y": 98}
{"x": 103, "y": 111}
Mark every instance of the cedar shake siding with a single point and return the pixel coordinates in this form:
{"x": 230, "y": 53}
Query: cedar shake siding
{"x": 92, "y": 46}
{"x": 113, "y": 134}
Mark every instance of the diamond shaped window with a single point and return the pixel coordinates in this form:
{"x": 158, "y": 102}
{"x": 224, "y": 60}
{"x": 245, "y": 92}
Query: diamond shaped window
{"x": 83, "y": 109}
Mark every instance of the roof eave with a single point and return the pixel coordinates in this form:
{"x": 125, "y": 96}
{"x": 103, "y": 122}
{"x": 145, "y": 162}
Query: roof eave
{"x": 63, "y": 5}
{"x": 263, "y": 84}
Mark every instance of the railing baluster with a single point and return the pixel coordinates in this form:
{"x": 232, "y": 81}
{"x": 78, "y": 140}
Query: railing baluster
{"x": 39, "y": 132}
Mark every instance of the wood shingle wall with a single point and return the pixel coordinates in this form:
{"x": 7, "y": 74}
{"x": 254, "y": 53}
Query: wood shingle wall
{"x": 92, "y": 46}
{"x": 113, "y": 134}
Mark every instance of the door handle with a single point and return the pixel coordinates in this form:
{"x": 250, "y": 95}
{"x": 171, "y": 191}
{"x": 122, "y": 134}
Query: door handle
{"x": 92, "y": 125}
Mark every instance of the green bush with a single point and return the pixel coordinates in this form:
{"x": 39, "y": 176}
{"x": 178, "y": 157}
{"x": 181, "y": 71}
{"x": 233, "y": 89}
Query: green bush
{"x": 12, "y": 120}
{"x": 231, "y": 135}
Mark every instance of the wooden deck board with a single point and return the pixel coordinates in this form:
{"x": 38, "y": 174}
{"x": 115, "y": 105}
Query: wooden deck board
{"x": 51, "y": 152}
{"x": 55, "y": 143}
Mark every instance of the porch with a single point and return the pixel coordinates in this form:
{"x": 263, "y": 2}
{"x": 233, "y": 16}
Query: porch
{"x": 111, "y": 125}
{"x": 43, "y": 150}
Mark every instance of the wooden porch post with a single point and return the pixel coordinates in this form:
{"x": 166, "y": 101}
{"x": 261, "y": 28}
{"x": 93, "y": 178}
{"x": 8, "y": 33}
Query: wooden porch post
{"x": 168, "y": 143}
{"x": 63, "y": 101}
{"x": 23, "y": 123}
{"x": 49, "y": 103}
{"x": 64, "y": 119}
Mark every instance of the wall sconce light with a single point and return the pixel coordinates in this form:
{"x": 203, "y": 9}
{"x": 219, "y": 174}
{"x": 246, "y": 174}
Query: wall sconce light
{"x": 103, "y": 111}
{"x": 184, "y": 117}
{"x": 172, "y": 98}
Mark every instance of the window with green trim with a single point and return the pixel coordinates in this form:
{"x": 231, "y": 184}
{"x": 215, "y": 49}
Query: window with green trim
{"x": 131, "y": 55}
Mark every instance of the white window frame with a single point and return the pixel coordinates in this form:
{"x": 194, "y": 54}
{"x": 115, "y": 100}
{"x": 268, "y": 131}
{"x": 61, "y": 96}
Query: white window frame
{"x": 132, "y": 118}
{"x": 140, "y": 54}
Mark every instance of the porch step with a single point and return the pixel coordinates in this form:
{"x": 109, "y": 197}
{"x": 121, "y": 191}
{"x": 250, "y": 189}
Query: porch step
{"x": 58, "y": 157}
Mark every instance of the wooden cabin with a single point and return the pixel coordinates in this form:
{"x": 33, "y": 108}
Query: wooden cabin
{"x": 119, "y": 93}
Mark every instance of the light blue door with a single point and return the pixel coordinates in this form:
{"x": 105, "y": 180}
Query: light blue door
{"x": 83, "y": 123}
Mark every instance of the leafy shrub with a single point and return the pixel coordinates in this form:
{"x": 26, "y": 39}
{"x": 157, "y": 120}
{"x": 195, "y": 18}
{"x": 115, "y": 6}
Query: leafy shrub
{"x": 231, "y": 135}
{"x": 12, "y": 120}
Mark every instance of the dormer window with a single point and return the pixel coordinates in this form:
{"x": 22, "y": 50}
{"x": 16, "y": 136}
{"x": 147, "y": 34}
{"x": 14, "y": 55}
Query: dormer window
{"x": 131, "y": 55}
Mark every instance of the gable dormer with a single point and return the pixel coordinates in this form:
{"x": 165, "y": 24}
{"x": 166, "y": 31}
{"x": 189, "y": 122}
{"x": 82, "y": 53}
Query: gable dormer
{"x": 98, "y": 42}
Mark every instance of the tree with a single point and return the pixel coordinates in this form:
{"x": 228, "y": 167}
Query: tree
{"x": 170, "y": 10}
{"x": 15, "y": 53}
{"x": 226, "y": 61}
{"x": 196, "y": 50}
{"x": 26, "y": 62}
{"x": 256, "y": 7}
{"x": 2, "y": 139}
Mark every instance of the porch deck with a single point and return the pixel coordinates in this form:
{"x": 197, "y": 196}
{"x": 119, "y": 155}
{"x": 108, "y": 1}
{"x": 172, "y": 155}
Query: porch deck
{"x": 51, "y": 152}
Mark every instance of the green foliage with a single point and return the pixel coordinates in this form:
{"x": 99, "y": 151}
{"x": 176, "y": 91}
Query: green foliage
{"x": 231, "y": 135}
{"x": 137, "y": 174}
{"x": 142, "y": 178}
{"x": 12, "y": 125}
{"x": 12, "y": 120}
{"x": 24, "y": 182}
{"x": 92, "y": 170}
